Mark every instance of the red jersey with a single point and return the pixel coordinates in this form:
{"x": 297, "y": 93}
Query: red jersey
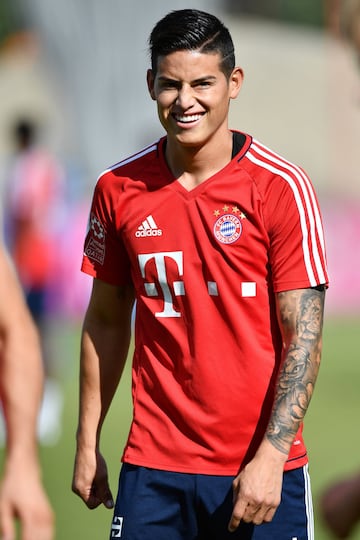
{"x": 205, "y": 265}
{"x": 34, "y": 198}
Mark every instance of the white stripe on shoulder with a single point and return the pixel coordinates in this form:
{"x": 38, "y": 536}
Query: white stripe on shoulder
{"x": 131, "y": 158}
{"x": 299, "y": 182}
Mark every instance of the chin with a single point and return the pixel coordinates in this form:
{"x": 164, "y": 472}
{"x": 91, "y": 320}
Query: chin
{"x": 190, "y": 141}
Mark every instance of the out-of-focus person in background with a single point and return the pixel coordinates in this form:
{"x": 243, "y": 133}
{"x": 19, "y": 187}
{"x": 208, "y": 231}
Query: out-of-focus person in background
{"x": 340, "y": 505}
{"x": 350, "y": 24}
{"x": 22, "y": 495}
{"x": 340, "y": 501}
{"x": 33, "y": 210}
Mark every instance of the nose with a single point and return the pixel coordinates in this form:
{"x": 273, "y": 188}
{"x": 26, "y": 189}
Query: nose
{"x": 185, "y": 97}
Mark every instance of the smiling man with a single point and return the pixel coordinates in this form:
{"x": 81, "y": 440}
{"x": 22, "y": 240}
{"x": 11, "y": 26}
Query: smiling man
{"x": 220, "y": 242}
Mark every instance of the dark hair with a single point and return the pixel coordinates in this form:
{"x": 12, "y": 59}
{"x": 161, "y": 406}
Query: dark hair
{"x": 24, "y": 132}
{"x": 191, "y": 29}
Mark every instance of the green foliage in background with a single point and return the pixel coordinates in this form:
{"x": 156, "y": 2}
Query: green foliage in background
{"x": 306, "y": 12}
{"x": 11, "y": 19}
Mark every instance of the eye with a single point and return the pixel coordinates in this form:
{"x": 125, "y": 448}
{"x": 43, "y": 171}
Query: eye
{"x": 168, "y": 85}
{"x": 203, "y": 84}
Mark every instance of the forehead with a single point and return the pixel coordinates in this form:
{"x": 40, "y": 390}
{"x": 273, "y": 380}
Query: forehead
{"x": 188, "y": 65}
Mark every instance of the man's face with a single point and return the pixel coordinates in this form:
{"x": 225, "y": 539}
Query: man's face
{"x": 192, "y": 95}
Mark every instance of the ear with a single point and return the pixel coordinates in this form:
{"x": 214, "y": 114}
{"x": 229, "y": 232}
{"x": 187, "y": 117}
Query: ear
{"x": 150, "y": 79}
{"x": 235, "y": 82}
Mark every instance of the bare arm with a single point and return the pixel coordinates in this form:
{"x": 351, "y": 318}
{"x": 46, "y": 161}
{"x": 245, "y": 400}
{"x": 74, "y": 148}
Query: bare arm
{"x": 104, "y": 348}
{"x": 300, "y": 315}
{"x": 21, "y": 381}
{"x": 257, "y": 489}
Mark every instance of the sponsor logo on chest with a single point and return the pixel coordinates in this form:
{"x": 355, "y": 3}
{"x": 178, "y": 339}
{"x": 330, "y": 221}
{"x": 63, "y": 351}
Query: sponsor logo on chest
{"x": 228, "y": 227}
{"x": 148, "y": 228}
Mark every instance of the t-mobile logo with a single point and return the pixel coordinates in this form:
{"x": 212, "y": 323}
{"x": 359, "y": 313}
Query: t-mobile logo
{"x": 167, "y": 288}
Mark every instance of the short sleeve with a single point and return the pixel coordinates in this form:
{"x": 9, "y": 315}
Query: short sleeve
{"x": 297, "y": 250}
{"x": 105, "y": 256}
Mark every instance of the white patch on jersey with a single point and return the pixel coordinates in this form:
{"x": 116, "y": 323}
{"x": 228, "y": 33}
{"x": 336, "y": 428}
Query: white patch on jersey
{"x": 179, "y": 289}
{"x": 212, "y": 288}
{"x": 248, "y": 289}
{"x": 151, "y": 289}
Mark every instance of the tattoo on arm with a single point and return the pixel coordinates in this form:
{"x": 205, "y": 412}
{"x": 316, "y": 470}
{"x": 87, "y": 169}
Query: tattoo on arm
{"x": 300, "y": 315}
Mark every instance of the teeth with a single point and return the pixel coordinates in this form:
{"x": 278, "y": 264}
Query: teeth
{"x": 188, "y": 118}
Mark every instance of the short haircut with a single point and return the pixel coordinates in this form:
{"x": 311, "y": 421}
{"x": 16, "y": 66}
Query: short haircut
{"x": 192, "y": 30}
{"x": 24, "y": 132}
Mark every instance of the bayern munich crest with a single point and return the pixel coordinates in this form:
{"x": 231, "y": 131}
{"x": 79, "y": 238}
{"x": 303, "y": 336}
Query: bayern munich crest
{"x": 227, "y": 229}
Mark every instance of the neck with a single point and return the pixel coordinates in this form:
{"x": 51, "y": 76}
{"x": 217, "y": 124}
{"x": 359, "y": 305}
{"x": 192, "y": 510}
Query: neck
{"x": 191, "y": 165}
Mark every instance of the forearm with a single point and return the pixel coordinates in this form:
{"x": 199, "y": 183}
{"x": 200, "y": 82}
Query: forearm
{"x": 300, "y": 315}
{"x": 257, "y": 488}
{"x": 104, "y": 347}
{"x": 21, "y": 380}
{"x": 104, "y": 351}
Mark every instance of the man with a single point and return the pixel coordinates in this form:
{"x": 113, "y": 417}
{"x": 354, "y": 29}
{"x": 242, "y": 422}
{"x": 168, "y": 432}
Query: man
{"x": 34, "y": 197}
{"x": 343, "y": 21}
{"x": 340, "y": 501}
{"x": 340, "y": 505}
{"x": 21, "y": 492}
{"x": 220, "y": 242}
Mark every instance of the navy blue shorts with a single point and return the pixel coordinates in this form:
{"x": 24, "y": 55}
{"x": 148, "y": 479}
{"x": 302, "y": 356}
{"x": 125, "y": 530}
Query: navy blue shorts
{"x": 161, "y": 505}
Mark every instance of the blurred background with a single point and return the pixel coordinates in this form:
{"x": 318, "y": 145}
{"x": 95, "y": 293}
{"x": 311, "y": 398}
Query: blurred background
{"x": 74, "y": 74}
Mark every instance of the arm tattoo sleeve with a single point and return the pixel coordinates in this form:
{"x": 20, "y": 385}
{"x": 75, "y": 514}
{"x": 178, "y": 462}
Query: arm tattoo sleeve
{"x": 300, "y": 315}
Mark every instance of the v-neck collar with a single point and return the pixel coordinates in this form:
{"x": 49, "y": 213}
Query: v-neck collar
{"x": 241, "y": 144}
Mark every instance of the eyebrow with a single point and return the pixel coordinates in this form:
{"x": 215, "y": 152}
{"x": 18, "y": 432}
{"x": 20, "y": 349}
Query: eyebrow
{"x": 195, "y": 81}
{"x": 206, "y": 78}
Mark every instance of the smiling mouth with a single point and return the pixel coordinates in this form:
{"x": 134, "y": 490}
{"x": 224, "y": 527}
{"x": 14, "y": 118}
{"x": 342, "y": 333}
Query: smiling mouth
{"x": 187, "y": 119}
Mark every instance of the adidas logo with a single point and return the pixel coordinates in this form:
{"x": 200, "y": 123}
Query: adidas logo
{"x": 148, "y": 228}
